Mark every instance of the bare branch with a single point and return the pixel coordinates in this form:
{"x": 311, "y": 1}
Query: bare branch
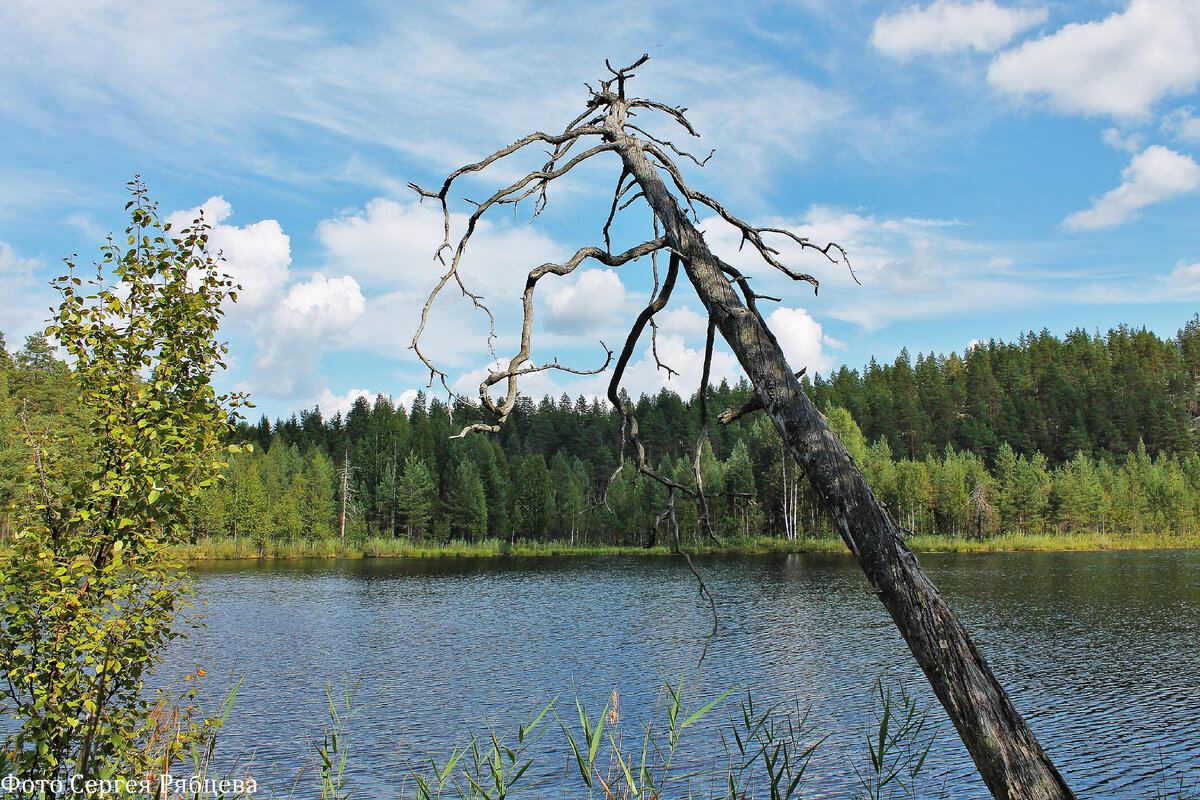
{"x": 674, "y": 112}
{"x": 754, "y": 404}
{"x": 518, "y": 366}
{"x": 503, "y": 195}
{"x": 612, "y": 212}
{"x": 537, "y": 136}
{"x": 673, "y": 148}
{"x": 703, "y": 436}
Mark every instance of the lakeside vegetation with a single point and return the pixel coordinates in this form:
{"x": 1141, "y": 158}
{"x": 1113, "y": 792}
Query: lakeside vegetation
{"x": 225, "y": 549}
{"x": 1087, "y": 441}
{"x": 99, "y": 466}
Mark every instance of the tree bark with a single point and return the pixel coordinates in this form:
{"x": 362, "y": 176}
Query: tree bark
{"x": 1007, "y": 754}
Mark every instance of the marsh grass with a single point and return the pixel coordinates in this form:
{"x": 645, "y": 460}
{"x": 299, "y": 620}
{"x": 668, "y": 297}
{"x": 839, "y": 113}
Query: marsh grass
{"x": 1012, "y": 542}
{"x": 218, "y": 549}
{"x": 756, "y": 753}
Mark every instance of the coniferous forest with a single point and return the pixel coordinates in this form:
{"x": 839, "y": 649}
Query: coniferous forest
{"x": 1087, "y": 433}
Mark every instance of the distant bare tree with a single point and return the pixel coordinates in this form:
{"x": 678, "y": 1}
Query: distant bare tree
{"x": 1007, "y": 754}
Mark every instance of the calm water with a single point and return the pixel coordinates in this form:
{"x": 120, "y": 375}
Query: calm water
{"x": 1100, "y": 651}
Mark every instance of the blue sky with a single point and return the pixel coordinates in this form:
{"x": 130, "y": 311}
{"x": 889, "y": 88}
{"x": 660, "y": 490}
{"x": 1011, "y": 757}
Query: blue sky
{"x": 991, "y": 168}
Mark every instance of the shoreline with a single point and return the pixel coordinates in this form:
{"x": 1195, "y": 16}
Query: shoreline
{"x": 226, "y": 550}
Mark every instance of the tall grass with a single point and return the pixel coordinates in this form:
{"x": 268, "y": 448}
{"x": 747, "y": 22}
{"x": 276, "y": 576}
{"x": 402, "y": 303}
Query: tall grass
{"x": 380, "y": 547}
{"x": 762, "y": 754}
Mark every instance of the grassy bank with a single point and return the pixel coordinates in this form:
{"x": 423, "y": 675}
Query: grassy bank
{"x": 223, "y": 548}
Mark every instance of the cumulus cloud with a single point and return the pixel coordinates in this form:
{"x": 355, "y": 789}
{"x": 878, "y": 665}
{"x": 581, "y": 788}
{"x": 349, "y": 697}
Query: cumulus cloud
{"x": 683, "y": 321}
{"x": 323, "y": 304}
{"x": 256, "y": 256}
{"x": 801, "y": 338}
{"x": 386, "y": 243}
{"x": 686, "y": 359}
{"x": 391, "y": 245}
{"x": 313, "y": 316}
{"x": 332, "y": 404}
{"x": 1154, "y": 175}
{"x": 1119, "y": 66}
{"x": 587, "y": 304}
{"x": 944, "y": 27}
{"x": 26, "y": 299}
{"x": 292, "y": 323}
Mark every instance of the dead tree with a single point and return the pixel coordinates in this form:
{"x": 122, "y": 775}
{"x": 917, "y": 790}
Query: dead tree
{"x": 1008, "y": 756}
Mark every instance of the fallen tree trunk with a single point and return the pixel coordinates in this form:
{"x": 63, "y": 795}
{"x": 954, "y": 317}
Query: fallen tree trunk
{"x": 1007, "y": 754}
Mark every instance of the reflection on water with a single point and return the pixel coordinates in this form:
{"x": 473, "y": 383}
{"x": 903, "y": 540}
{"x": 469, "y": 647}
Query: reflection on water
{"x": 1100, "y": 651}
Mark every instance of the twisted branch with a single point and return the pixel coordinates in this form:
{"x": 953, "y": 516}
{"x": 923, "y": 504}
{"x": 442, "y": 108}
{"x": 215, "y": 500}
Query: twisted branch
{"x": 605, "y": 117}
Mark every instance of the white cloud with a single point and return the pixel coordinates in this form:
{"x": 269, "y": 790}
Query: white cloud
{"x": 27, "y": 301}
{"x": 387, "y": 243}
{"x": 944, "y": 27}
{"x": 683, "y": 321}
{"x": 535, "y": 384}
{"x": 64, "y": 53}
{"x": 1119, "y": 66}
{"x": 256, "y": 256}
{"x": 406, "y": 399}
{"x": 391, "y": 245}
{"x": 1185, "y": 277}
{"x": 756, "y": 119}
{"x": 1154, "y": 175}
{"x": 908, "y": 268}
{"x": 801, "y": 338}
{"x": 322, "y": 304}
{"x": 1118, "y": 140}
{"x": 587, "y": 304}
{"x": 331, "y": 404}
{"x": 687, "y": 362}
{"x": 313, "y": 317}
{"x": 1182, "y": 125}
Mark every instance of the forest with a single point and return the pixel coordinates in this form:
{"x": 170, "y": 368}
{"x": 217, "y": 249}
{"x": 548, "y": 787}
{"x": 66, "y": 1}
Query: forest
{"x": 1087, "y": 433}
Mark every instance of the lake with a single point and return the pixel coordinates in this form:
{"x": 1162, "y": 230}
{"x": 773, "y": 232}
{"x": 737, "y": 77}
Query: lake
{"x": 1100, "y": 651}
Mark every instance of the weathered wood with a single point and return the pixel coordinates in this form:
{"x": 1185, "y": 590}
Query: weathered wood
{"x": 750, "y": 406}
{"x": 1012, "y": 762}
{"x": 1008, "y": 756}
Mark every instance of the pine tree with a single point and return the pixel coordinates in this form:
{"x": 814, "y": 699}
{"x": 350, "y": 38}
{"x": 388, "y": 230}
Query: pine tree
{"x": 534, "y": 496}
{"x": 317, "y": 506}
{"x": 415, "y": 498}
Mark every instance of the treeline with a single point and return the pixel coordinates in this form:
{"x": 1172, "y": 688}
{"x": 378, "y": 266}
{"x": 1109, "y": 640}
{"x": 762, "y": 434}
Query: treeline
{"x": 1086, "y": 433}
{"x": 1099, "y": 395}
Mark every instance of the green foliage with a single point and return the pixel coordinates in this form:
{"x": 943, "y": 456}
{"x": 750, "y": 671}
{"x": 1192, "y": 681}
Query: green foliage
{"x": 88, "y": 598}
{"x": 1004, "y": 439}
{"x": 897, "y": 746}
{"x": 781, "y": 741}
{"x": 332, "y": 755}
{"x": 534, "y": 497}
{"x": 467, "y": 503}
{"x": 755, "y": 753}
{"x": 415, "y": 496}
